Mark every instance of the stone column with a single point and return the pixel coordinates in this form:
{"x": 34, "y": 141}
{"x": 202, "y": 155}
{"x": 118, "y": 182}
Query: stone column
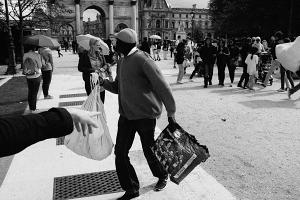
{"x": 77, "y": 13}
{"x": 111, "y": 17}
{"x": 133, "y": 16}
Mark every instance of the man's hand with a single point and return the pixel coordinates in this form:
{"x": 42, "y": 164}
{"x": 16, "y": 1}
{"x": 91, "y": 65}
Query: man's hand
{"x": 172, "y": 123}
{"x": 83, "y": 119}
{"x": 101, "y": 81}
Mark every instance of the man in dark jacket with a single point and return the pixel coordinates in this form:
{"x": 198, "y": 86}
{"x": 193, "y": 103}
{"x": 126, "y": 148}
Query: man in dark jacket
{"x": 208, "y": 54}
{"x": 145, "y": 46}
{"x": 141, "y": 90}
{"x": 17, "y": 133}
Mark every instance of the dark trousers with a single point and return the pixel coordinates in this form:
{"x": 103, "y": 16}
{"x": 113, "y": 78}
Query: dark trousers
{"x": 295, "y": 89}
{"x": 208, "y": 72}
{"x": 125, "y": 136}
{"x": 196, "y": 70}
{"x": 221, "y": 72}
{"x": 282, "y": 77}
{"x": 244, "y": 77}
{"x": 59, "y": 54}
{"x": 231, "y": 69}
{"x": 33, "y": 89}
{"x": 88, "y": 88}
{"x": 47, "y": 77}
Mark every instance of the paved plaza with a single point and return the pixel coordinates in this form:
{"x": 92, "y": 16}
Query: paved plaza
{"x": 33, "y": 173}
{"x": 253, "y": 138}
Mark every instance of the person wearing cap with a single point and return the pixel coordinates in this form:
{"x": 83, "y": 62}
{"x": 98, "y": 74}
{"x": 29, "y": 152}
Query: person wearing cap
{"x": 141, "y": 90}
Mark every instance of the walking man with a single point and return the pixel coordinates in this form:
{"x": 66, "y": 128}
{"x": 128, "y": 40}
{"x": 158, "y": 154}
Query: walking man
{"x": 208, "y": 54}
{"x": 142, "y": 90}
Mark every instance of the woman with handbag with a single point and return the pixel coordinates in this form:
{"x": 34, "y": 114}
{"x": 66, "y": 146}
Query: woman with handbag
{"x": 47, "y": 69}
{"x": 32, "y": 70}
{"x": 92, "y": 62}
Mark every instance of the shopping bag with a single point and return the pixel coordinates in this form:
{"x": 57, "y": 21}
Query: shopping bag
{"x": 179, "y": 152}
{"x": 288, "y": 54}
{"x": 99, "y": 144}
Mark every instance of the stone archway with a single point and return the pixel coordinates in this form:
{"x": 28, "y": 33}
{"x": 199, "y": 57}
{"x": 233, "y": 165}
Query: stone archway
{"x": 96, "y": 27}
{"x": 120, "y": 27}
{"x": 66, "y": 32}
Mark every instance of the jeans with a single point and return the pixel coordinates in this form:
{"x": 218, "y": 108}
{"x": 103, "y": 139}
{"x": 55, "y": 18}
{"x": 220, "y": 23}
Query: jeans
{"x": 47, "y": 76}
{"x": 245, "y": 76}
{"x": 282, "y": 77}
{"x": 208, "y": 72}
{"x": 269, "y": 74}
{"x": 221, "y": 72}
{"x": 33, "y": 89}
{"x": 231, "y": 69}
{"x": 125, "y": 136}
{"x": 196, "y": 70}
{"x": 88, "y": 88}
{"x": 180, "y": 72}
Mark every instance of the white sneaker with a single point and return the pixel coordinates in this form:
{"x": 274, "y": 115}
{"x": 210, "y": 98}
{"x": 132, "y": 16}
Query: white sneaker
{"x": 179, "y": 82}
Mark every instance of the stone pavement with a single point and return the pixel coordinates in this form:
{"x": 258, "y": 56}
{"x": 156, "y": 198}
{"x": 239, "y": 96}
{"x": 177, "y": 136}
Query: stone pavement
{"x": 32, "y": 172}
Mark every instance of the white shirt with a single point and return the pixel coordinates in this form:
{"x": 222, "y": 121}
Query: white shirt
{"x": 251, "y": 64}
{"x": 134, "y": 49}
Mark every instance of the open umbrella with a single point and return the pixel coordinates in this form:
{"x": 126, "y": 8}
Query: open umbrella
{"x": 157, "y": 37}
{"x": 84, "y": 40}
{"x": 42, "y": 41}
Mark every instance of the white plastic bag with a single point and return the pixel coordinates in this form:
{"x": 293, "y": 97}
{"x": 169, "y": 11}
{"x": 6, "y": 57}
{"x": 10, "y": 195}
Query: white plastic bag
{"x": 288, "y": 54}
{"x": 95, "y": 146}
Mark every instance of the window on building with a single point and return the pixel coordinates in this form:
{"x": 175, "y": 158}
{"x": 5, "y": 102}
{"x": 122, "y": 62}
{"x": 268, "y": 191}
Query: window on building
{"x": 173, "y": 24}
{"x": 179, "y": 15}
{"x": 166, "y": 24}
{"x": 186, "y": 24}
{"x": 187, "y": 16}
{"x": 173, "y": 15}
{"x": 157, "y": 23}
{"x": 149, "y": 24}
{"x": 206, "y": 24}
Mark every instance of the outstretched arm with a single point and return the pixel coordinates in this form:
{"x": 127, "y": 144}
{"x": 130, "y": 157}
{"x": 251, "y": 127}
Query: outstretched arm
{"x": 19, "y": 132}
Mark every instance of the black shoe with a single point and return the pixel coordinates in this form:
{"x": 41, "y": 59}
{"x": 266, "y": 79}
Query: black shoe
{"x": 239, "y": 85}
{"x": 129, "y": 195}
{"x": 161, "y": 184}
{"x": 210, "y": 83}
{"x": 205, "y": 86}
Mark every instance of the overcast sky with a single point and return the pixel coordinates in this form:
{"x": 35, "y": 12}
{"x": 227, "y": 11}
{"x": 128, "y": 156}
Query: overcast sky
{"x": 174, "y": 3}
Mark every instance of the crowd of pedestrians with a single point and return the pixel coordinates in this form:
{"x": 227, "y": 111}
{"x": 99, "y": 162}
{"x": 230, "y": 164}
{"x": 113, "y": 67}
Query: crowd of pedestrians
{"x": 256, "y": 57}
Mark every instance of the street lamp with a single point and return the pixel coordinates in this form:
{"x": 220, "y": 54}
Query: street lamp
{"x": 291, "y": 18}
{"x": 193, "y": 16}
{"x": 11, "y": 69}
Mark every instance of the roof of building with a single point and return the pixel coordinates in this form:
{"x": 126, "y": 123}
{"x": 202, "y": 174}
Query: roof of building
{"x": 187, "y": 3}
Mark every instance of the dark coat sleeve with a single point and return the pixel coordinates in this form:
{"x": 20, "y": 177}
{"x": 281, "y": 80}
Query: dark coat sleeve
{"x": 17, "y": 133}
{"x": 84, "y": 64}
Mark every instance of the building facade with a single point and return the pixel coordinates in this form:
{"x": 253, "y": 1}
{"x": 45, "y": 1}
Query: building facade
{"x": 157, "y": 17}
{"x": 114, "y": 15}
{"x": 95, "y": 27}
{"x": 147, "y": 17}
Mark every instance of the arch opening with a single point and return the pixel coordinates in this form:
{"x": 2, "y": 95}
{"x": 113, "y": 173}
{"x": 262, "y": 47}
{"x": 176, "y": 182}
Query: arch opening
{"x": 94, "y": 21}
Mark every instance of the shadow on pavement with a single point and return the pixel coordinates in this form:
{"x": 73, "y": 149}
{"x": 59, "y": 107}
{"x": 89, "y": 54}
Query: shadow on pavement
{"x": 147, "y": 189}
{"x": 257, "y": 104}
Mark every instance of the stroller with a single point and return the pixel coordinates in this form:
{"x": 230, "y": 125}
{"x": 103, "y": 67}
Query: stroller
{"x": 264, "y": 66}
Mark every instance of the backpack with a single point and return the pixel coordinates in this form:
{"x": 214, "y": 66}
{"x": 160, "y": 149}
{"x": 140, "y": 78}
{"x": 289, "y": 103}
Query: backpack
{"x": 29, "y": 66}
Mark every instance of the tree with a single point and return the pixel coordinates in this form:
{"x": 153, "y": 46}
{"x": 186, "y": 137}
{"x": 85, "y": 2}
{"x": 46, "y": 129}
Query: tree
{"x": 33, "y": 12}
{"x": 2, "y": 17}
{"x": 252, "y": 17}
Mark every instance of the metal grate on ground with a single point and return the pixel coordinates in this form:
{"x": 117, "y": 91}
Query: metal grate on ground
{"x": 72, "y": 95}
{"x": 85, "y": 185}
{"x": 60, "y": 141}
{"x": 70, "y": 103}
